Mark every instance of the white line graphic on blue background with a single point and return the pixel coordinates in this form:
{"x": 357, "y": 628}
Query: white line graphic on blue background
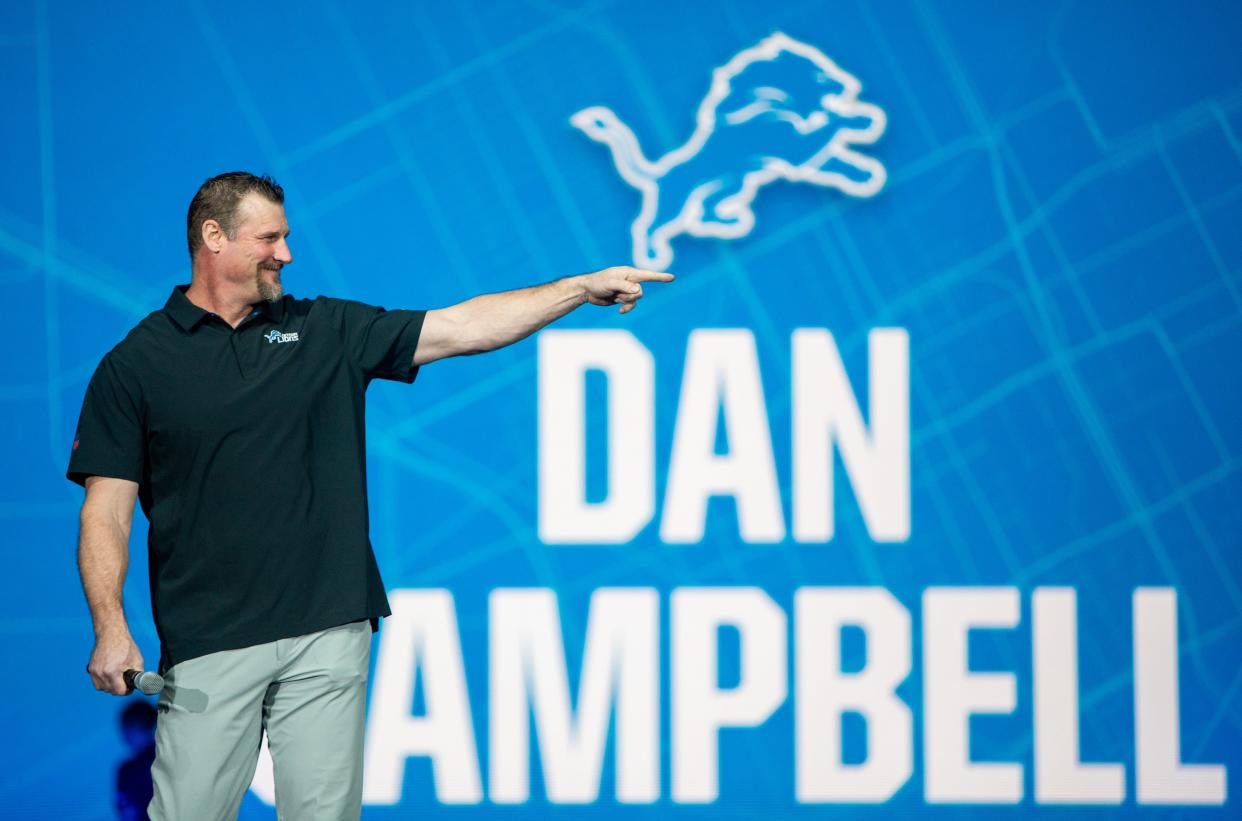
{"x": 781, "y": 109}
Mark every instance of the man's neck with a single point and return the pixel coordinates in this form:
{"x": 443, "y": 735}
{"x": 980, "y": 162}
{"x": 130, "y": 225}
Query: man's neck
{"x": 230, "y": 307}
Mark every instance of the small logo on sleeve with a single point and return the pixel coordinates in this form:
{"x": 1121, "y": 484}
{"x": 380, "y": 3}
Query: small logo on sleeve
{"x": 277, "y": 336}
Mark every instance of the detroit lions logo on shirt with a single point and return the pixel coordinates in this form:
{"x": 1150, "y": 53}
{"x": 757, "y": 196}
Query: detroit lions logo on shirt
{"x": 277, "y": 336}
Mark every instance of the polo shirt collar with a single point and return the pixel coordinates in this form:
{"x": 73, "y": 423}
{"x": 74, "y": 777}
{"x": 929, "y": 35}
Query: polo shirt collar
{"x": 186, "y": 314}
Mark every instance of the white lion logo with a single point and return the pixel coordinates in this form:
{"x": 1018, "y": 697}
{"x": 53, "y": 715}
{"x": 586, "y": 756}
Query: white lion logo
{"x": 778, "y": 110}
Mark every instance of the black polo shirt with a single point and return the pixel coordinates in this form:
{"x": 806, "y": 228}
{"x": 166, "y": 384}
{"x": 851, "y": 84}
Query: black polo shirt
{"x": 249, "y": 448}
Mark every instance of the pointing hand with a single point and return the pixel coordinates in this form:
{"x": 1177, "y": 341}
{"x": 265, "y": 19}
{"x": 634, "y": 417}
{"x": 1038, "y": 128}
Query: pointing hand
{"x": 621, "y": 285}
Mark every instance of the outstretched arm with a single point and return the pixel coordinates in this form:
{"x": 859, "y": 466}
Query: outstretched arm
{"x": 492, "y": 321}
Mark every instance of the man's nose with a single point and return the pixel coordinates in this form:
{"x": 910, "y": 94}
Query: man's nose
{"x": 283, "y": 255}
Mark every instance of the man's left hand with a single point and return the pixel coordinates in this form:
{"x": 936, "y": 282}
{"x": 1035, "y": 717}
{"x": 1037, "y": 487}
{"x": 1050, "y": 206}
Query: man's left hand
{"x": 621, "y": 285}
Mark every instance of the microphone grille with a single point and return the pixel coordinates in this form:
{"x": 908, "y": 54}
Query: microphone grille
{"x": 149, "y": 683}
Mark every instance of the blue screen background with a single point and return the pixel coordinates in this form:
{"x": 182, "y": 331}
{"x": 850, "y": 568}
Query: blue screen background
{"x": 1058, "y": 235}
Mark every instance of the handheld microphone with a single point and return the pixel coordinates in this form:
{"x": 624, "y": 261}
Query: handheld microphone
{"x": 144, "y": 681}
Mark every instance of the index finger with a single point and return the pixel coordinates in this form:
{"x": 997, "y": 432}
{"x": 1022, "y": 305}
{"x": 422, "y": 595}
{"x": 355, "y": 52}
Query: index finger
{"x": 643, "y": 275}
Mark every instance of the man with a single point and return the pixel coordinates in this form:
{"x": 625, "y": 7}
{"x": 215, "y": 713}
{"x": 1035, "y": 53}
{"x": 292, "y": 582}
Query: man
{"x": 235, "y": 414}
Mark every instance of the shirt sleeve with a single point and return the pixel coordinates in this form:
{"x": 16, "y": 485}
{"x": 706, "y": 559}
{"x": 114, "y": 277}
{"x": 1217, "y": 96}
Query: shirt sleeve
{"x": 110, "y": 439}
{"x": 381, "y": 342}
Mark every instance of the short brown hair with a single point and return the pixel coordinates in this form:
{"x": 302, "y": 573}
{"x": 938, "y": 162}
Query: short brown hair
{"x": 217, "y": 199}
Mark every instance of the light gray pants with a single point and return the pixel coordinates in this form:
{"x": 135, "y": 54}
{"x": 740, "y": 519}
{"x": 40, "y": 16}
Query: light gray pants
{"x": 307, "y": 693}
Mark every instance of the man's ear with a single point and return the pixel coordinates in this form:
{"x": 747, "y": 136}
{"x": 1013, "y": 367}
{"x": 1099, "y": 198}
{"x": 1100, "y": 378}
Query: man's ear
{"x": 213, "y": 236}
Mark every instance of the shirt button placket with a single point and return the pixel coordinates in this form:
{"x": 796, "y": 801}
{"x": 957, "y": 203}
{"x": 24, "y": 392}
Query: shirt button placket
{"x": 239, "y": 352}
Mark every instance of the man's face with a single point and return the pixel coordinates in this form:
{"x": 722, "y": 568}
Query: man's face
{"x": 259, "y": 250}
